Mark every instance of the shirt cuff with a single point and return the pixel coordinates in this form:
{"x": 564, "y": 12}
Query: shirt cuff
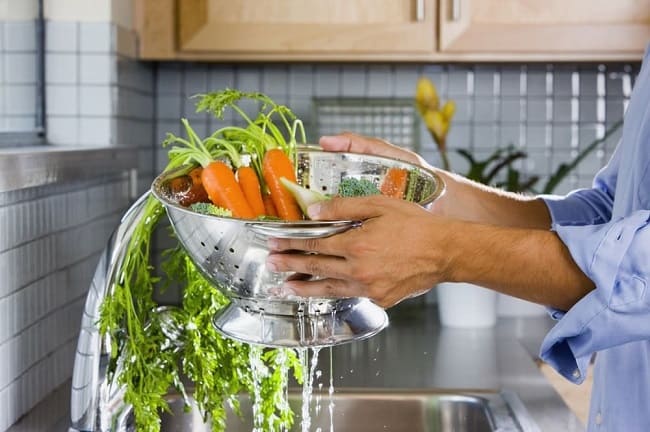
{"x": 598, "y": 250}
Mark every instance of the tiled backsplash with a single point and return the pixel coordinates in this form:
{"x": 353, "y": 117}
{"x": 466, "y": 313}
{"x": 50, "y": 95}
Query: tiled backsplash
{"x": 549, "y": 111}
{"x": 50, "y": 240}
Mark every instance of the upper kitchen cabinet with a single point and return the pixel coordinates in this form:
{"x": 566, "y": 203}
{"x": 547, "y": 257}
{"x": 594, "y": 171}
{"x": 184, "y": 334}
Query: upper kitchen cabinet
{"x": 544, "y": 29}
{"x": 287, "y": 29}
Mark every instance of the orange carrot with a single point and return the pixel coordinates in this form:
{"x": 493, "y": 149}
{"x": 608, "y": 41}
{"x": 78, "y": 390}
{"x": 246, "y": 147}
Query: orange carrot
{"x": 269, "y": 207}
{"x": 221, "y": 185}
{"x": 394, "y": 183}
{"x": 276, "y": 164}
{"x": 250, "y": 185}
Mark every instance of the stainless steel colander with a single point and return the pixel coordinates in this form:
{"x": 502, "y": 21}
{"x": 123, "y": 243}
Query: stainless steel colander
{"x": 232, "y": 253}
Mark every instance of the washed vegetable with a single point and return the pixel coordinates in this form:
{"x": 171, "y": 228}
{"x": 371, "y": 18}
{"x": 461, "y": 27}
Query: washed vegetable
{"x": 210, "y": 209}
{"x": 269, "y": 150}
{"x": 218, "y": 369}
{"x": 269, "y": 207}
{"x": 394, "y": 184}
{"x": 222, "y": 187}
{"x": 250, "y": 185}
{"x": 276, "y": 166}
{"x": 354, "y": 187}
{"x": 303, "y": 196}
{"x": 188, "y": 189}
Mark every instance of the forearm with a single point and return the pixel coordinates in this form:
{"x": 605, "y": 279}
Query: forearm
{"x": 471, "y": 201}
{"x": 527, "y": 263}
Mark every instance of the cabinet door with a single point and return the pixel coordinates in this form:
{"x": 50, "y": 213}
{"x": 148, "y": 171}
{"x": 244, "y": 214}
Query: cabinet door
{"x": 571, "y": 29}
{"x": 306, "y": 28}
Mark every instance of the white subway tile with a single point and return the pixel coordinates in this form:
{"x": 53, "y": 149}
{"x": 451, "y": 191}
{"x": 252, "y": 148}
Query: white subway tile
{"x": 62, "y": 100}
{"x": 96, "y": 100}
{"x": 95, "y": 131}
{"x": 20, "y": 35}
{"x": 97, "y": 69}
{"x": 21, "y": 97}
{"x": 20, "y": 68}
{"x": 61, "y": 36}
{"x": 61, "y": 68}
{"x": 96, "y": 37}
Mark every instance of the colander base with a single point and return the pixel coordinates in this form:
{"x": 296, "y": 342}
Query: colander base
{"x": 354, "y": 319}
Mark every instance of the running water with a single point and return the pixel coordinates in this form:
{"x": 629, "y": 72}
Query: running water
{"x": 308, "y": 385}
{"x": 258, "y": 371}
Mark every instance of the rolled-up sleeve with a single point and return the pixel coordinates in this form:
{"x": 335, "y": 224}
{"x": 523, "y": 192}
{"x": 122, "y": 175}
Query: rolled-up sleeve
{"x": 616, "y": 257}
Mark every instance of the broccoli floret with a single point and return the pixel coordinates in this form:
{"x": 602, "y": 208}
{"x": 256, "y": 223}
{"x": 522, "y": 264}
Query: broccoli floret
{"x": 210, "y": 209}
{"x": 354, "y": 187}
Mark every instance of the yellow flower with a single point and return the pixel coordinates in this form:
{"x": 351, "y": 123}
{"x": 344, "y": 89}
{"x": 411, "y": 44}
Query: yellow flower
{"x": 426, "y": 96}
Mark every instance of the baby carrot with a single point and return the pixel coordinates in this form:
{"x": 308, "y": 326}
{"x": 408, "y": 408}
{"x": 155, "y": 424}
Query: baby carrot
{"x": 250, "y": 185}
{"x": 221, "y": 185}
{"x": 269, "y": 207}
{"x": 276, "y": 164}
{"x": 394, "y": 183}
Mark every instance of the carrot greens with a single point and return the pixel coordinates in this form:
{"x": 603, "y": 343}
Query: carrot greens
{"x": 154, "y": 350}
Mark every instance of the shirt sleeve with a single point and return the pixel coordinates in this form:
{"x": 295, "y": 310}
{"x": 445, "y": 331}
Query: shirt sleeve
{"x": 616, "y": 257}
{"x": 587, "y": 206}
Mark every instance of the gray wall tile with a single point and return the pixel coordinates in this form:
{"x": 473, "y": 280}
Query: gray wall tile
{"x": 62, "y": 100}
{"x": 275, "y": 81}
{"x": 354, "y": 81}
{"x": 22, "y": 99}
{"x": 327, "y": 81}
{"x": 20, "y": 68}
{"x": 380, "y": 81}
{"x": 510, "y": 82}
{"x": 195, "y": 80}
{"x": 61, "y": 68}
{"x": 512, "y": 110}
{"x": 300, "y": 80}
{"x": 486, "y": 110}
{"x": 485, "y": 81}
{"x": 95, "y": 100}
{"x": 97, "y": 69}
{"x": 405, "y": 80}
{"x": 61, "y": 36}
{"x": 96, "y": 37}
{"x": 20, "y": 36}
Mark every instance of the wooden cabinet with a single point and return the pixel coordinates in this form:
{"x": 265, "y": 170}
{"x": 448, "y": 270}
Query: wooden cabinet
{"x": 393, "y": 30}
{"x": 287, "y": 29}
{"x": 545, "y": 29}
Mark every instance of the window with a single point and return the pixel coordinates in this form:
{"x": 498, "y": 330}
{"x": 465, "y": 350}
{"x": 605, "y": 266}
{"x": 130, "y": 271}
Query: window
{"x": 22, "y": 78}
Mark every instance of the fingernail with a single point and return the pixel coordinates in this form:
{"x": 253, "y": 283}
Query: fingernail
{"x": 314, "y": 211}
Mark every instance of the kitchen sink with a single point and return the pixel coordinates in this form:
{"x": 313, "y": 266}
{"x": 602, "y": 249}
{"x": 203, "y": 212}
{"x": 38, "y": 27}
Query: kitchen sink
{"x": 382, "y": 410}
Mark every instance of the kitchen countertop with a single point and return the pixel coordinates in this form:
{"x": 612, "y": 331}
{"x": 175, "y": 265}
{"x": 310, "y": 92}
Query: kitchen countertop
{"x": 415, "y": 352}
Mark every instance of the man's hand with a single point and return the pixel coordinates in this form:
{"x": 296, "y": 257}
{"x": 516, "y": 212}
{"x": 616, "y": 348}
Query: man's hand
{"x": 390, "y": 257}
{"x": 353, "y": 143}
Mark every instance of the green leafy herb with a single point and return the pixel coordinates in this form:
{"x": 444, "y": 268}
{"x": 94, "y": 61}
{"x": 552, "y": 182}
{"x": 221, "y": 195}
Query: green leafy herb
{"x": 145, "y": 359}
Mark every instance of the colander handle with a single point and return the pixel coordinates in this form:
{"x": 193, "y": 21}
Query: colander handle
{"x": 315, "y": 230}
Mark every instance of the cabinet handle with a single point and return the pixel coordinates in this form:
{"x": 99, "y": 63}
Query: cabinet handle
{"x": 419, "y": 10}
{"x": 455, "y": 10}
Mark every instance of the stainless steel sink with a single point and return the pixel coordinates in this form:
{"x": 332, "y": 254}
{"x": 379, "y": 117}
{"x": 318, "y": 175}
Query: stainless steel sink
{"x": 382, "y": 410}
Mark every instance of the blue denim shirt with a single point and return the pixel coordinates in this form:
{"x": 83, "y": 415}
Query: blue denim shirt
{"x": 607, "y": 230}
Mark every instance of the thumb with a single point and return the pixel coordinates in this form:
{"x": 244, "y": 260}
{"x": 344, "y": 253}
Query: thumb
{"x": 358, "y": 208}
